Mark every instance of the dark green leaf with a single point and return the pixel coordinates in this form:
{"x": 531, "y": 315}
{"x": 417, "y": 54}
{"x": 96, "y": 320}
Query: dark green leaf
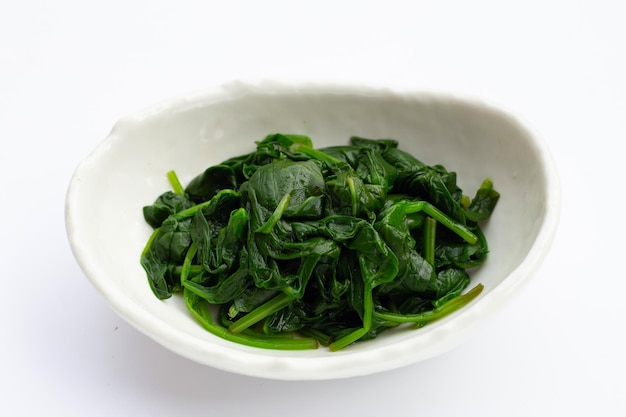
{"x": 210, "y": 182}
{"x": 166, "y": 204}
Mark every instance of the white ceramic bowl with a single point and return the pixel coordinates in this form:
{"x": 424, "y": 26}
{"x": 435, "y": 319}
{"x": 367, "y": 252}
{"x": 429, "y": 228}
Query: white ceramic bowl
{"x": 127, "y": 170}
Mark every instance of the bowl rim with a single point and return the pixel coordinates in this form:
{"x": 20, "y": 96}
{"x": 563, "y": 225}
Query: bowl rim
{"x": 272, "y": 366}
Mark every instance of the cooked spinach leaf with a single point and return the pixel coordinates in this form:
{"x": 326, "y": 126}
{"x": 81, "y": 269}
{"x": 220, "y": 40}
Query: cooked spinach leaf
{"x": 335, "y": 245}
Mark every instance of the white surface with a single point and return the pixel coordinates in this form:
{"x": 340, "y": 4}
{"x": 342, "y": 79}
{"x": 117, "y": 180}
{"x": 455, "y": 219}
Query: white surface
{"x": 70, "y": 70}
{"x": 195, "y": 131}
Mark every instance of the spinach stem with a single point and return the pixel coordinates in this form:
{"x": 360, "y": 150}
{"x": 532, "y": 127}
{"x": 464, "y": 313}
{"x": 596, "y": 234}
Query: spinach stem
{"x": 353, "y": 197}
{"x": 435, "y": 314}
{"x": 191, "y": 211}
{"x": 276, "y": 215}
{"x": 175, "y": 183}
{"x": 150, "y": 241}
{"x": 463, "y": 231}
{"x": 263, "y": 311}
{"x": 368, "y": 311}
{"x": 198, "y": 308}
{"x": 430, "y": 229}
{"x": 186, "y": 268}
{"x": 192, "y": 270}
{"x": 317, "y": 154}
{"x": 321, "y": 337}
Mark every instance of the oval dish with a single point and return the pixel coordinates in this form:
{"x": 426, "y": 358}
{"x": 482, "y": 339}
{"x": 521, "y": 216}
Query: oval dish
{"x": 128, "y": 169}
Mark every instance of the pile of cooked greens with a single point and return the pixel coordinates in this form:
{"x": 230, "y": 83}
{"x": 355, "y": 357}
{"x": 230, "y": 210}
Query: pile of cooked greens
{"x": 290, "y": 246}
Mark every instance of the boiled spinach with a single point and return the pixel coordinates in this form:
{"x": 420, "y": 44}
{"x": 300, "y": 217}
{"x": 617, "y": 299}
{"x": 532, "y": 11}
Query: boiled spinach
{"x": 335, "y": 244}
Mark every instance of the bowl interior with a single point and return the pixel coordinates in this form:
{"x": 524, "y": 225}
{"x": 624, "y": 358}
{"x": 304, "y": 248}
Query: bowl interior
{"x": 127, "y": 171}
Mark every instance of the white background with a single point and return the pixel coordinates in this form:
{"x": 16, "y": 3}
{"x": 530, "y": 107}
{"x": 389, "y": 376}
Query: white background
{"x": 69, "y": 70}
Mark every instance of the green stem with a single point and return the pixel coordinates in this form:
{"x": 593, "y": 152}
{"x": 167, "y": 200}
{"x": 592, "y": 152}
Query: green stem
{"x": 463, "y": 231}
{"x": 276, "y": 215}
{"x": 368, "y": 311}
{"x": 275, "y": 304}
{"x": 176, "y": 185}
{"x": 317, "y": 154}
{"x": 434, "y": 314}
{"x": 150, "y": 241}
{"x": 321, "y": 337}
{"x": 198, "y": 308}
{"x": 186, "y": 268}
{"x": 430, "y": 229}
{"x": 193, "y": 270}
{"x": 354, "y": 197}
{"x": 482, "y": 242}
{"x": 191, "y": 211}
